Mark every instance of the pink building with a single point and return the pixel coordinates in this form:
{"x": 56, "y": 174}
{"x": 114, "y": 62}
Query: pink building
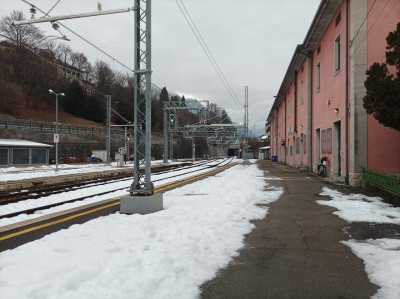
{"x": 318, "y": 110}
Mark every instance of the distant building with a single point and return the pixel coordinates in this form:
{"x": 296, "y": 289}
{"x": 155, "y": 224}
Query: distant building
{"x": 318, "y": 110}
{"x": 15, "y": 152}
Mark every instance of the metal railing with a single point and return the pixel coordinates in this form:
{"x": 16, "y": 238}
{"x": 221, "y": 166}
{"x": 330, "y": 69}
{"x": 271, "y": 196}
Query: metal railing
{"x": 388, "y": 181}
{"x": 48, "y": 127}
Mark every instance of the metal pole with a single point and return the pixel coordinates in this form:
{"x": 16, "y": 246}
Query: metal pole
{"x": 193, "y": 150}
{"x": 57, "y": 132}
{"x": 108, "y": 130}
{"x": 148, "y": 184}
{"x": 171, "y": 149}
{"x": 165, "y": 134}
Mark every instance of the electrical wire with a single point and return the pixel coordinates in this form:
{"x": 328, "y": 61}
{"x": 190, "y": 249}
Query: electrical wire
{"x": 84, "y": 39}
{"x": 358, "y": 30}
{"x": 373, "y": 24}
{"x": 212, "y": 57}
{"x": 208, "y": 56}
{"x": 52, "y": 8}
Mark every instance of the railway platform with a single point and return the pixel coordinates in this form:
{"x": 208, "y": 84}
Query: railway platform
{"x": 296, "y": 250}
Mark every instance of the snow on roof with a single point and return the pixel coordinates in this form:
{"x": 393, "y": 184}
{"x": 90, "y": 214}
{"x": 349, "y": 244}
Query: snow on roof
{"x": 22, "y": 143}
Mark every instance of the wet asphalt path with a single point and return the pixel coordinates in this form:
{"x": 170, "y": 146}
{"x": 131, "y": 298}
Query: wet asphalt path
{"x": 295, "y": 251}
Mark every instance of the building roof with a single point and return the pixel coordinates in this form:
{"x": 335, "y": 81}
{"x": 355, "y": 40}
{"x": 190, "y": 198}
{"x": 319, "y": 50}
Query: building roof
{"x": 324, "y": 15}
{"x": 21, "y": 143}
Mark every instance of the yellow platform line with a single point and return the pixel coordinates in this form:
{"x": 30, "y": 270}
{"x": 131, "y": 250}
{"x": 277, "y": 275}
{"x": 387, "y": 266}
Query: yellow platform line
{"x": 170, "y": 186}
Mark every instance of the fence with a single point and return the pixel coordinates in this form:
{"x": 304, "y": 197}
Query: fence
{"x": 388, "y": 181}
{"x": 46, "y": 128}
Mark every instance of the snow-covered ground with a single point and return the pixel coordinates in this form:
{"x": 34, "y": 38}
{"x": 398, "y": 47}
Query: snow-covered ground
{"x": 381, "y": 256}
{"x": 158, "y": 179}
{"x": 168, "y": 254}
{"x": 20, "y": 173}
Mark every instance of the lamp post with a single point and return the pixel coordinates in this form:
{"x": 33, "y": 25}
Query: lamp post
{"x": 254, "y": 127}
{"x": 56, "y": 137}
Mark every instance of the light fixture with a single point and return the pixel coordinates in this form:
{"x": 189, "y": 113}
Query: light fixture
{"x": 33, "y": 12}
{"x": 336, "y": 110}
{"x": 301, "y": 126}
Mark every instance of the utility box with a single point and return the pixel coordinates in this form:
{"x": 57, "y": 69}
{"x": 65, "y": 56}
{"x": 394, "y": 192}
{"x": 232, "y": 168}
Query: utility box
{"x": 120, "y": 159}
{"x": 100, "y": 154}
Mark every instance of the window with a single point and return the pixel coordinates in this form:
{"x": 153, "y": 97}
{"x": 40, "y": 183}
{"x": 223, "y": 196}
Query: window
{"x": 298, "y": 145}
{"x": 323, "y": 149}
{"x": 3, "y": 156}
{"x": 304, "y": 144}
{"x": 337, "y": 53}
{"x": 338, "y": 19}
{"x": 318, "y": 76}
{"x": 301, "y": 92}
{"x": 328, "y": 140}
{"x": 318, "y": 50}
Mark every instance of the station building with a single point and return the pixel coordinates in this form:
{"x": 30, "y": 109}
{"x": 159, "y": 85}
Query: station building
{"x": 318, "y": 110}
{"x": 15, "y": 152}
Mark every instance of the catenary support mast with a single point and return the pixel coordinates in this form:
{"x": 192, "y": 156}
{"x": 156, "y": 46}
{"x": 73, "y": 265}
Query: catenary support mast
{"x": 142, "y": 184}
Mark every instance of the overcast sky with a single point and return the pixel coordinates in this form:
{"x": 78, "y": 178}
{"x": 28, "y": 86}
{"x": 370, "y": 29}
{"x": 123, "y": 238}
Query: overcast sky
{"x": 251, "y": 40}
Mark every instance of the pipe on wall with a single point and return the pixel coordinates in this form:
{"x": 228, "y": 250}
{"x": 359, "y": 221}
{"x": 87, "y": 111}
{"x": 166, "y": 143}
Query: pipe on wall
{"x": 346, "y": 178}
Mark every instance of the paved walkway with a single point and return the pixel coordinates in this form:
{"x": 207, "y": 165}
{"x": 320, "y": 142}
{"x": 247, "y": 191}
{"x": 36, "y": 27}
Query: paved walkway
{"x": 295, "y": 251}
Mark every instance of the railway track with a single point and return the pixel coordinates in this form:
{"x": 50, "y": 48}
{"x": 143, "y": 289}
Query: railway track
{"x": 82, "y": 198}
{"x": 40, "y": 191}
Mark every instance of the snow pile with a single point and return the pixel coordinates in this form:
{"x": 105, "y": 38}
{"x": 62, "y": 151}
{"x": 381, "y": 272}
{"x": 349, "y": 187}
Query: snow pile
{"x": 382, "y": 256}
{"x": 168, "y": 254}
{"x": 382, "y": 263}
{"x": 361, "y": 208}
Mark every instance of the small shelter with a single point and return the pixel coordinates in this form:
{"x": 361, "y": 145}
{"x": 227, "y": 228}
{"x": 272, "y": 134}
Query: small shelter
{"x": 14, "y": 152}
{"x": 264, "y": 152}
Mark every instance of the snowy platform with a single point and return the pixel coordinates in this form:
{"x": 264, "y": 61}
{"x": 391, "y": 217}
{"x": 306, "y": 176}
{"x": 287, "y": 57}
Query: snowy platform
{"x": 142, "y": 204}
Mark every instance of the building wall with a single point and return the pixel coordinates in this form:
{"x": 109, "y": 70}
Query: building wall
{"x": 329, "y": 100}
{"x": 321, "y": 115}
{"x": 281, "y": 133}
{"x": 383, "y": 18}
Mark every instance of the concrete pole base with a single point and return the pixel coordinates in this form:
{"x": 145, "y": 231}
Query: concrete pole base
{"x": 141, "y": 204}
{"x": 246, "y": 162}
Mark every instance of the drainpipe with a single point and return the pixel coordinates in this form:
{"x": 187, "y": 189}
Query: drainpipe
{"x": 310, "y": 98}
{"x": 346, "y": 178}
{"x": 295, "y": 102}
{"x": 285, "y": 129}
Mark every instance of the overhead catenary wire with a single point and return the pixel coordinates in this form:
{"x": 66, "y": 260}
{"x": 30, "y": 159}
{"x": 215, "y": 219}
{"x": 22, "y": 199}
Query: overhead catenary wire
{"x": 208, "y": 55}
{"x": 212, "y": 57}
{"x": 87, "y": 41}
{"x": 358, "y": 30}
{"x": 373, "y": 24}
{"x": 52, "y": 8}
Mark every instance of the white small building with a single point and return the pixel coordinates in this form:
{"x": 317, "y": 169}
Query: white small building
{"x": 264, "y": 152}
{"x": 14, "y": 152}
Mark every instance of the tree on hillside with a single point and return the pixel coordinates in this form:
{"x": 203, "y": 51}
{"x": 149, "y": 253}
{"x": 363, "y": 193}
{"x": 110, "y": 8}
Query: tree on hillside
{"x": 383, "y": 88}
{"x": 104, "y": 76}
{"x": 20, "y": 35}
{"x": 79, "y": 104}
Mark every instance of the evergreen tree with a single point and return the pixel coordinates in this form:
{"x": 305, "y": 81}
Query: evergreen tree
{"x": 164, "y": 97}
{"x": 383, "y": 89}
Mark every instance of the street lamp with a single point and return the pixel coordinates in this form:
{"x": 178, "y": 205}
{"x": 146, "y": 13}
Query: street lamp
{"x": 254, "y": 127}
{"x": 56, "y": 137}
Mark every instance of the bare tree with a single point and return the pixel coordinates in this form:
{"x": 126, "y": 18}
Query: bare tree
{"x": 20, "y": 35}
{"x": 63, "y": 53}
